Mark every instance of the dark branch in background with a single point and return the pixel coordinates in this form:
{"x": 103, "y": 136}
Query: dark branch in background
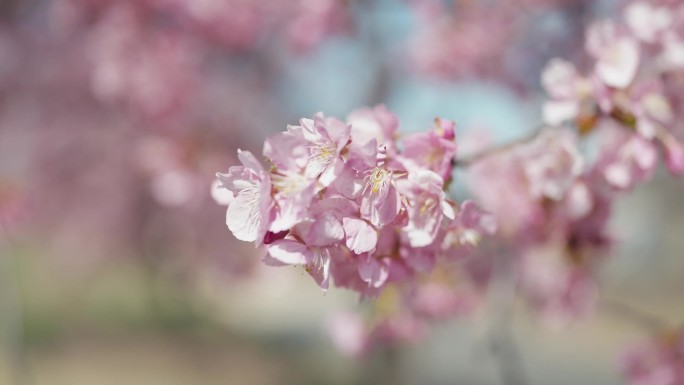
{"x": 470, "y": 160}
{"x": 12, "y": 312}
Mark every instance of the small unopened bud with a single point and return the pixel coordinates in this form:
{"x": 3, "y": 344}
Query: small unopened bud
{"x": 381, "y": 158}
{"x": 445, "y": 128}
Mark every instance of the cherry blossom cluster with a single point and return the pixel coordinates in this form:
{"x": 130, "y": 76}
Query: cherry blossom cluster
{"x": 608, "y": 130}
{"x": 660, "y": 361}
{"x": 357, "y": 202}
{"x": 347, "y": 200}
{"x": 631, "y": 86}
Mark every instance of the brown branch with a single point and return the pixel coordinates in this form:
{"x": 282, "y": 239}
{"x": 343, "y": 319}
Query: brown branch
{"x": 470, "y": 160}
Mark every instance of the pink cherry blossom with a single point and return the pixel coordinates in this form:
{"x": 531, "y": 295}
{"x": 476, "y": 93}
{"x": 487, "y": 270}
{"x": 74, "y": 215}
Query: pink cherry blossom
{"x": 248, "y": 215}
{"x": 616, "y": 52}
{"x": 316, "y": 260}
{"x": 472, "y": 223}
{"x": 555, "y": 165}
{"x": 655, "y": 362}
{"x": 325, "y": 139}
{"x": 628, "y": 159}
{"x": 433, "y": 150}
{"x": 646, "y": 21}
{"x": 361, "y": 237}
{"x": 569, "y": 92}
{"x": 426, "y": 207}
{"x": 380, "y": 201}
{"x": 674, "y": 157}
{"x": 377, "y": 123}
{"x": 293, "y": 189}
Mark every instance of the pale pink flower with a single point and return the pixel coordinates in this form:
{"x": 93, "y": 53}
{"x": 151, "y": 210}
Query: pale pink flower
{"x": 325, "y": 139}
{"x": 471, "y": 224}
{"x": 579, "y": 200}
{"x": 420, "y": 259}
{"x": 616, "y": 52}
{"x": 360, "y": 236}
{"x": 505, "y": 172}
{"x": 434, "y": 150}
{"x": 650, "y": 107}
{"x": 674, "y": 153}
{"x": 648, "y": 22}
{"x": 314, "y": 240}
{"x": 672, "y": 56}
{"x": 568, "y": 90}
{"x": 316, "y": 260}
{"x": 426, "y": 207}
{"x": 553, "y": 164}
{"x": 380, "y": 200}
{"x": 374, "y": 271}
{"x": 249, "y": 213}
{"x": 377, "y": 123}
{"x": 293, "y": 189}
{"x": 659, "y": 361}
{"x": 626, "y": 159}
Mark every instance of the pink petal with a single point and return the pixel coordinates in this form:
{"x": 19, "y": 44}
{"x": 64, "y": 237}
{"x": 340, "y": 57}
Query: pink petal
{"x": 290, "y": 252}
{"x": 674, "y": 156}
{"x": 618, "y": 65}
{"x": 245, "y": 219}
{"x": 325, "y": 230}
{"x": 361, "y": 237}
{"x": 319, "y": 268}
{"x": 249, "y": 161}
{"x": 381, "y": 211}
{"x": 372, "y": 271}
{"x": 220, "y": 194}
{"x": 348, "y": 184}
{"x": 308, "y": 130}
{"x": 331, "y": 172}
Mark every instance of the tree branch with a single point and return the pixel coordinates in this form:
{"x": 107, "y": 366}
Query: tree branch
{"x": 470, "y": 160}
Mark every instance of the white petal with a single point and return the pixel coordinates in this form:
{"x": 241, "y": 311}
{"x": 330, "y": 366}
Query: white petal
{"x": 290, "y": 252}
{"x": 221, "y": 195}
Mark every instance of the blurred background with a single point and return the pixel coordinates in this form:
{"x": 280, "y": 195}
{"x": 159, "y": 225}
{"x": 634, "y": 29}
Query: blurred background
{"x": 116, "y": 266}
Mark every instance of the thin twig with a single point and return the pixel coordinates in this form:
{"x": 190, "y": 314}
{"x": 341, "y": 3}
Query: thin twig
{"x": 470, "y": 160}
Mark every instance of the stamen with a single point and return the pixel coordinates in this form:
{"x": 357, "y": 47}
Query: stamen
{"x": 378, "y": 179}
